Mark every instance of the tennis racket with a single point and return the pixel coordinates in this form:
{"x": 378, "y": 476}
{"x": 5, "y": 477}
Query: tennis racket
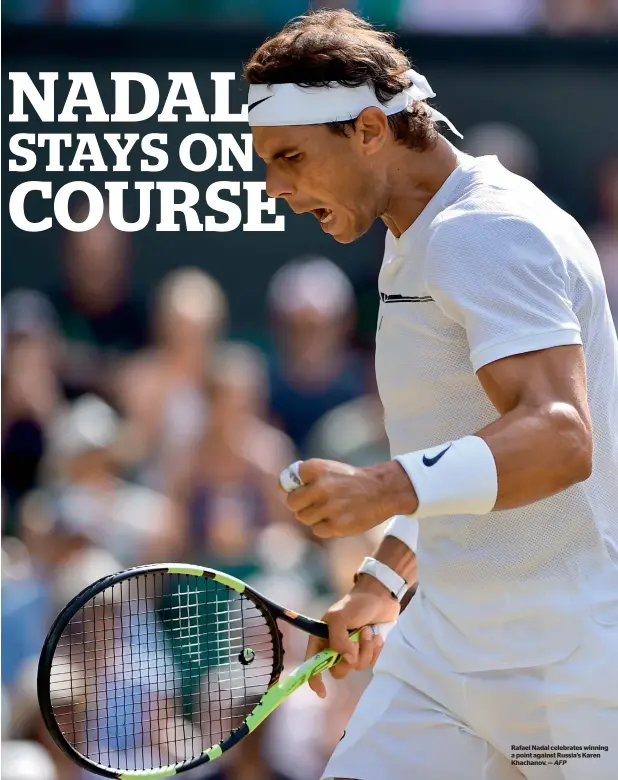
{"x": 160, "y": 668}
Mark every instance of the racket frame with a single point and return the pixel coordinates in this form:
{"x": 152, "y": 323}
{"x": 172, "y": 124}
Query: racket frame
{"x": 278, "y": 689}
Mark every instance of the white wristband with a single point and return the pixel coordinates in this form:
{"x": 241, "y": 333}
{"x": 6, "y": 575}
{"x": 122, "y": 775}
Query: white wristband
{"x": 393, "y": 582}
{"x": 456, "y": 478}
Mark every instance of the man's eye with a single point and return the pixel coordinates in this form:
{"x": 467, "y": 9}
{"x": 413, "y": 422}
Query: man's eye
{"x": 293, "y": 157}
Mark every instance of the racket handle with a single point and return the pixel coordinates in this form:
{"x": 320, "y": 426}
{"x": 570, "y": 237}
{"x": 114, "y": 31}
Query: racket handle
{"x": 289, "y": 479}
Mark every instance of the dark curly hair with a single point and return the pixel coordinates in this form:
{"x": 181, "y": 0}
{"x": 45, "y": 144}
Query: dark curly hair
{"x": 325, "y": 46}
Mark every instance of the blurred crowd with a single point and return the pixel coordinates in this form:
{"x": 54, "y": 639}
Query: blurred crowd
{"x": 448, "y": 16}
{"x": 137, "y": 431}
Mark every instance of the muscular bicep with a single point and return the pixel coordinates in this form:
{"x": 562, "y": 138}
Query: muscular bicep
{"x": 542, "y": 441}
{"x": 545, "y": 378}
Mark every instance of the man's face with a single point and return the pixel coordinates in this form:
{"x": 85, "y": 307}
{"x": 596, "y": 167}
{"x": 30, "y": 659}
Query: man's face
{"x": 321, "y": 172}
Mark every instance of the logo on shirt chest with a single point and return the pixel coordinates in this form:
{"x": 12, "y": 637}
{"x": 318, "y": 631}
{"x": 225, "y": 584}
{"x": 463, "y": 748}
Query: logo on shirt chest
{"x": 398, "y": 298}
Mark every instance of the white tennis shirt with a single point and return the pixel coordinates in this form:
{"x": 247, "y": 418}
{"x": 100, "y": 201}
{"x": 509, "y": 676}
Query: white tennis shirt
{"x": 492, "y": 268}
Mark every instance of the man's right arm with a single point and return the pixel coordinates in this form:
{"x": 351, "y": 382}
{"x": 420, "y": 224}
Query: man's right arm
{"x": 368, "y": 602}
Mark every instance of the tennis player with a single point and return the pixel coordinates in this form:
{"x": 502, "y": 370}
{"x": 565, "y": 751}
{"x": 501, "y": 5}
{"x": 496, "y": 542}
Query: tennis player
{"x": 497, "y": 365}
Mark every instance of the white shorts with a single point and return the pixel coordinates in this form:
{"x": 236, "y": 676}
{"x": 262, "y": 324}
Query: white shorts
{"x": 417, "y": 720}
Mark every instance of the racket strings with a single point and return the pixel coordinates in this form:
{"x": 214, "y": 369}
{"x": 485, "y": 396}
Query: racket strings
{"x": 158, "y": 668}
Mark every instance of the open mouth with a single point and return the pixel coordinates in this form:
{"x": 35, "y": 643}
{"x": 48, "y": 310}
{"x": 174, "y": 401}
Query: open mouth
{"x": 324, "y": 216}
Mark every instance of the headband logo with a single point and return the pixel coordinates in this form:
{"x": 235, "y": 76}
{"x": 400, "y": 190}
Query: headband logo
{"x": 257, "y": 102}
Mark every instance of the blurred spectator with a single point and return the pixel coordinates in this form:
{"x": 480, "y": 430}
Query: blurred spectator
{"x": 72, "y": 11}
{"x": 85, "y": 500}
{"x": 471, "y": 16}
{"x": 580, "y": 16}
{"x": 161, "y": 390}
{"x": 604, "y": 234}
{"x": 30, "y": 392}
{"x": 26, "y": 760}
{"x": 353, "y": 433}
{"x": 313, "y": 370}
{"x": 93, "y": 11}
{"x": 233, "y": 491}
{"x": 99, "y": 318}
{"x": 450, "y": 16}
{"x": 515, "y": 150}
{"x": 377, "y": 11}
{"x": 231, "y": 13}
{"x": 25, "y": 612}
{"x": 291, "y": 567}
{"x": 121, "y": 668}
{"x": 37, "y": 580}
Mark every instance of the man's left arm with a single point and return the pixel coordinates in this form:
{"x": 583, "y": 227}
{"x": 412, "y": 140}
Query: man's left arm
{"x": 542, "y": 442}
{"x": 541, "y": 445}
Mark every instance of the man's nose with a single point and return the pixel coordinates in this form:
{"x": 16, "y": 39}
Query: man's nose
{"x": 276, "y": 185}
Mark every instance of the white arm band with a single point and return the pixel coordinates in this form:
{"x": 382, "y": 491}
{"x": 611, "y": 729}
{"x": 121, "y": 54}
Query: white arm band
{"x": 456, "y": 478}
{"x": 393, "y": 582}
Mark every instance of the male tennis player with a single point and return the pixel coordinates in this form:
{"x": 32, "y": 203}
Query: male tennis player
{"x": 497, "y": 365}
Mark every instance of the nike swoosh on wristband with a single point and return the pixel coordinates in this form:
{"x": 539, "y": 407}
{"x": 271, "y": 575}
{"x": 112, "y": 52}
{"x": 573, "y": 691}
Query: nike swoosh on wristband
{"x": 257, "y": 102}
{"x": 432, "y": 461}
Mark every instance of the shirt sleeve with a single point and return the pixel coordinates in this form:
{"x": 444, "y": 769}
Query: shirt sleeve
{"x": 502, "y": 279}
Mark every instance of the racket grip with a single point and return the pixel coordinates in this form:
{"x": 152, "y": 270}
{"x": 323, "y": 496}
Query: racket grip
{"x": 289, "y": 479}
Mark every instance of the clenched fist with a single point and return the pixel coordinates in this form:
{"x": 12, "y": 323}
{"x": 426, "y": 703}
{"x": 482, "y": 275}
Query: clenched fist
{"x": 337, "y": 500}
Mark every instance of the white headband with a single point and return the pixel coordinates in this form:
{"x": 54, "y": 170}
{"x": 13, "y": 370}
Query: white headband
{"x": 274, "y": 105}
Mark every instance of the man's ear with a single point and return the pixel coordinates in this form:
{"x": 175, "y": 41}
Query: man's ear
{"x": 372, "y": 130}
